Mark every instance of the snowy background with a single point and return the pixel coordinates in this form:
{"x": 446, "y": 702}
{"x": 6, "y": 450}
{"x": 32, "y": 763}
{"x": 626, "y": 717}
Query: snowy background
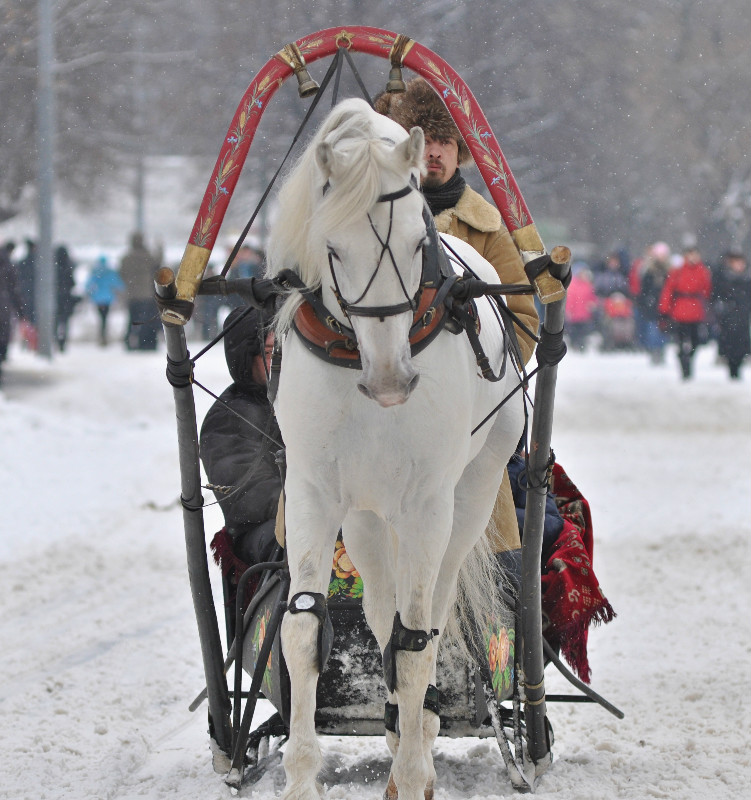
{"x": 99, "y": 653}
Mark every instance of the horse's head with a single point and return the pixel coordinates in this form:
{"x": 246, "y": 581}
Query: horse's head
{"x": 371, "y": 218}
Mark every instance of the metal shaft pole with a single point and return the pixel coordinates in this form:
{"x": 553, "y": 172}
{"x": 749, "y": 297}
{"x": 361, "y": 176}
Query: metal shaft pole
{"x": 179, "y": 374}
{"x": 538, "y": 743}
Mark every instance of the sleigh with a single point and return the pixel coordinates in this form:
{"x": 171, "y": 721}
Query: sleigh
{"x": 500, "y": 691}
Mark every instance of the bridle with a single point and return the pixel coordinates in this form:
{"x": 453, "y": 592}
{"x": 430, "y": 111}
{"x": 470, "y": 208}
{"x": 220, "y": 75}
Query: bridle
{"x": 353, "y": 308}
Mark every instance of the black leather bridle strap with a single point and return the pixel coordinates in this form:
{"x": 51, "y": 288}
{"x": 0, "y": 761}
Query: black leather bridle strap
{"x": 439, "y": 300}
{"x": 353, "y": 309}
{"x": 398, "y": 194}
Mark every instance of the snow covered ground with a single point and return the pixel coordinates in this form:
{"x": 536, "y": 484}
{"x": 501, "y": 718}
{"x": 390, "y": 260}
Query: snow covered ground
{"x": 100, "y": 655}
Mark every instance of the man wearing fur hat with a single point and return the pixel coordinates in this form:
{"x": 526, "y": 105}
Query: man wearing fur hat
{"x": 462, "y": 212}
{"x": 456, "y": 207}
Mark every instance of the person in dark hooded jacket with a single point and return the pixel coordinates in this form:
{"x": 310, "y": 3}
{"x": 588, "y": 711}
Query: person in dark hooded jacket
{"x": 240, "y": 438}
{"x": 732, "y": 308}
{"x": 11, "y": 302}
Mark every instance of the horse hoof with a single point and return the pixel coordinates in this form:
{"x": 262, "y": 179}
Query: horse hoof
{"x": 304, "y": 791}
{"x": 391, "y": 793}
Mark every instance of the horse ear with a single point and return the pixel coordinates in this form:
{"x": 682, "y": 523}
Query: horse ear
{"x": 324, "y": 158}
{"x": 413, "y": 147}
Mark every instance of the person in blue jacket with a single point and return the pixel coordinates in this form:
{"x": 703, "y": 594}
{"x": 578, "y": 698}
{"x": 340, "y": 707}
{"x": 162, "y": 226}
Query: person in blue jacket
{"x": 103, "y": 286}
{"x": 553, "y": 522}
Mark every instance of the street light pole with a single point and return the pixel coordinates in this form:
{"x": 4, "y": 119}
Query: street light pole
{"x": 45, "y": 280}
{"x": 139, "y": 97}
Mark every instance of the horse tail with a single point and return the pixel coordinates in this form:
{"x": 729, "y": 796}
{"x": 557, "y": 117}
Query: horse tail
{"x": 479, "y": 607}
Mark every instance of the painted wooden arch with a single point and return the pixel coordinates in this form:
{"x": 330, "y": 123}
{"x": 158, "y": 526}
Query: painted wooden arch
{"x": 396, "y": 48}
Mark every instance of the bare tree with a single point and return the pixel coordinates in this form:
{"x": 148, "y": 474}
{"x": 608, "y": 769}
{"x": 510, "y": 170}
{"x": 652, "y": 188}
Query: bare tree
{"x": 625, "y": 121}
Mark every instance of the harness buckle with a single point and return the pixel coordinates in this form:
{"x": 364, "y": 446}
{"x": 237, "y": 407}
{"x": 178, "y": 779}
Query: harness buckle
{"x": 334, "y": 324}
{"x": 428, "y": 316}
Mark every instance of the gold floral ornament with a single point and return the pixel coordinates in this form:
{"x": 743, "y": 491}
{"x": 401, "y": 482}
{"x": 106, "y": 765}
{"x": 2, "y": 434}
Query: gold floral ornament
{"x": 309, "y": 45}
{"x": 387, "y": 41}
{"x": 344, "y": 39}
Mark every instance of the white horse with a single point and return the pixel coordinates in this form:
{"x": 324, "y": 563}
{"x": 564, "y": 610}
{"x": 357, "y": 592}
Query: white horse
{"x": 385, "y": 454}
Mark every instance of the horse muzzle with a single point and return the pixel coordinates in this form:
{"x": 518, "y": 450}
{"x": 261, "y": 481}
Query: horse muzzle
{"x": 390, "y": 392}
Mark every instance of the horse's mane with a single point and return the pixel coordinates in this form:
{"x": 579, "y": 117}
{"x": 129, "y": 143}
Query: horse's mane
{"x": 305, "y": 215}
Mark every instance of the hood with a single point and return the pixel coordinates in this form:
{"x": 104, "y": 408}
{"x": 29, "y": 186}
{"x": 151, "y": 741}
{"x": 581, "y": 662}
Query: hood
{"x": 243, "y": 341}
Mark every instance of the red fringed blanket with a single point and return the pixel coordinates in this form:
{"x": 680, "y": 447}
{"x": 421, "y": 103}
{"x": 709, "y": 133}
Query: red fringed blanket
{"x": 571, "y": 596}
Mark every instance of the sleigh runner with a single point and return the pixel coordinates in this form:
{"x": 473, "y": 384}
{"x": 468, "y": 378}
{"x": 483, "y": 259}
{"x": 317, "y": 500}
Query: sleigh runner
{"x": 510, "y": 658}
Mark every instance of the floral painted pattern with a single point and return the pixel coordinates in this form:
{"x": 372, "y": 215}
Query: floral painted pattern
{"x": 259, "y": 634}
{"x": 499, "y": 646}
{"x": 346, "y": 582}
{"x": 232, "y": 156}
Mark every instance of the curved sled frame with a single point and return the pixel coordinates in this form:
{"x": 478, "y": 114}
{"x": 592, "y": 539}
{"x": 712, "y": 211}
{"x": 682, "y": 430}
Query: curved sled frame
{"x": 293, "y": 59}
{"x": 469, "y": 118}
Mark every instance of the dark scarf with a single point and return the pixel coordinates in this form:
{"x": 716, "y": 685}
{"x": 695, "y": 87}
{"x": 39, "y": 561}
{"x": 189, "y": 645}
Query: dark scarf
{"x": 447, "y": 195}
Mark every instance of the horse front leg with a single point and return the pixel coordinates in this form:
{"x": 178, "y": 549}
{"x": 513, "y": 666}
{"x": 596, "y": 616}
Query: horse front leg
{"x": 410, "y": 659}
{"x": 311, "y": 536}
{"x": 370, "y": 545}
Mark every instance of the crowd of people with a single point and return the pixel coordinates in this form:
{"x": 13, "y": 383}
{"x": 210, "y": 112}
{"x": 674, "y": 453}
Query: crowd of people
{"x": 661, "y": 297}
{"x": 129, "y": 281}
{"x": 614, "y": 304}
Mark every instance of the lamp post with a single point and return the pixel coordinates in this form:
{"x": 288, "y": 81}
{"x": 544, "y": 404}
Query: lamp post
{"x": 45, "y": 279}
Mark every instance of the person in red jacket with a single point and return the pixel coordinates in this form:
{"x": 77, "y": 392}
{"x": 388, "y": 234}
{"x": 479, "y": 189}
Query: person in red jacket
{"x": 683, "y": 304}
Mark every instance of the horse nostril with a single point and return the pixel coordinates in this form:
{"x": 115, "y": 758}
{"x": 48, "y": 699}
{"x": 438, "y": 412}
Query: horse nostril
{"x": 364, "y": 389}
{"x": 413, "y": 383}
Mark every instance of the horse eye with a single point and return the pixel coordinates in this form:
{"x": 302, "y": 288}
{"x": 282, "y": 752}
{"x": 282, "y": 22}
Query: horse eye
{"x": 422, "y": 244}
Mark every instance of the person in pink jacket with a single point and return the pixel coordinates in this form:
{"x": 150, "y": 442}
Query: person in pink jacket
{"x": 581, "y": 306}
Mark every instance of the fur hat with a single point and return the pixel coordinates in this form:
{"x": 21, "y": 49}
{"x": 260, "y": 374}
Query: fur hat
{"x": 421, "y": 106}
